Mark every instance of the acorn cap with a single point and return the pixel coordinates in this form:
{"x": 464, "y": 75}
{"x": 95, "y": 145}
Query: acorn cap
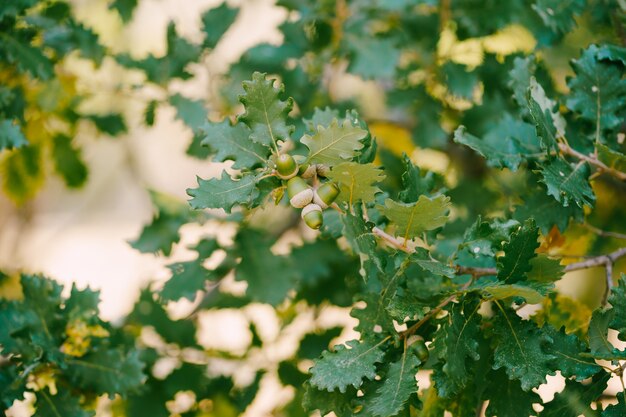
{"x": 307, "y": 170}
{"x": 312, "y": 215}
{"x": 299, "y": 192}
{"x": 286, "y": 166}
{"x": 323, "y": 170}
{"x": 326, "y": 194}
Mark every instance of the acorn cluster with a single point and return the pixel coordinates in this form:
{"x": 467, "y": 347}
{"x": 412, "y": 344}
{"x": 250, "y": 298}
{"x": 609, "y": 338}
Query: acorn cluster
{"x": 312, "y": 199}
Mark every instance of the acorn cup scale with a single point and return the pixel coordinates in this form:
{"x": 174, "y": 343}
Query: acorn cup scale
{"x": 312, "y": 216}
{"x": 299, "y": 192}
{"x": 325, "y": 194}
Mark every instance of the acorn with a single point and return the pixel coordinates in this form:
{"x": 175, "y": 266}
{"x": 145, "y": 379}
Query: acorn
{"x": 312, "y": 215}
{"x": 421, "y": 350}
{"x": 325, "y": 194}
{"x": 322, "y": 170}
{"x": 299, "y": 192}
{"x": 286, "y": 166}
{"x": 307, "y": 170}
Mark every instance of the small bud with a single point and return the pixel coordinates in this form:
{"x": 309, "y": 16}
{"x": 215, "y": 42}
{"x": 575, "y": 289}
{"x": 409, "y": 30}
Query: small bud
{"x": 286, "y": 166}
{"x": 323, "y": 170}
{"x": 325, "y": 194}
{"x": 299, "y": 192}
{"x": 312, "y": 215}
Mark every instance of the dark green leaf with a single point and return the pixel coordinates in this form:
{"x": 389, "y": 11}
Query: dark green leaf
{"x": 347, "y": 365}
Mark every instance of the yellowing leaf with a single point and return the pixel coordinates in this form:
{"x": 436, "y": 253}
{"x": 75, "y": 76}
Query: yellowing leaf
{"x": 509, "y": 40}
{"x": 468, "y": 52}
{"x": 392, "y": 137}
{"x": 79, "y": 336}
{"x": 414, "y": 218}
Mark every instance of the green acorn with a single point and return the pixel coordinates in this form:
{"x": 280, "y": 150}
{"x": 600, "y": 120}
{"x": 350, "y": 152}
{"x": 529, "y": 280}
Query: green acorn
{"x": 312, "y": 215}
{"x": 286, "y": 166}
{"x": 299, "y": 192}
{"x": 325, "y": 194}
{"x": 421, "y": 350}
{"x": 307, "y": 170}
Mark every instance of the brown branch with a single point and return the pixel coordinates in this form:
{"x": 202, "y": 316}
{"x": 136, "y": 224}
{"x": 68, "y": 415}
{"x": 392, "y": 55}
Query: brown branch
{"x": 392, "y": 240}
{"x": 567, "y": 150}
{"x": 408, "y": 332}
{"x": 605, "y": 233}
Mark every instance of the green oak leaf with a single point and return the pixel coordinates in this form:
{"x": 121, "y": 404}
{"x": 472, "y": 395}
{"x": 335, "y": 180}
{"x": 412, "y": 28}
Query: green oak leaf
{"x": 321, "y": 117}
{"x": 544, "y": 269}
{"x": 550, "y": 124}
{"x": 112, "y": 124}
{"x": 173, "y": 64}
{"x": 191, "y": 276}
{"x": 506, "y": 145}
{"x": 416, "y": 183}
{"x": 25, "y": 57}
{"x": 616, "y": 410}
{"x": 373, "y": 58}
{"x": 149, "y": 312}
{"x": 224, "y": 192}
{"x": 519, "y": 78}
{"x": 559, "y": 15}
{"x": 575, "y": 398}
{"x": 360, "y": 237}
{"x": 215, "y": 22}
{"x": 598, "y": 92}
{"x": 125, "y": 8}
{"x": 269, "y": 276}
{"x": 392, "y": 395}
{"x": 68, "y": 162}
{"x": 507, "y": 398}
{"x": 567, "y": 350}
{"x": 414, "y": 218}
{"x": 456, "y": 342}
{"x": 612, "y": 53}
{"x": 266, "y": 115}
{"x": 547, "y": 211}
{"x": 191, "y": 112}
{"x": 162, "y": 232}
{"x": 599, "y": 343}
{"x": 357, "y": 182}
{"x": 518, "y": 251}
{"x": 335, "y": 144}
{"x": 11, "y": 135}
{"x": 617, "y": 299}
{"x": 106, "y": 371}
{"x": 62, "y": 404}
{"x": 347, "y": 365}
{"x": 374, "y": 320}
{"x": 566, "y": 183}
{"x": 232, "y": 142}
{"x": 338, "y": 402}
{"x": 22, "y": 173}
{"x": 520, "y": 349}
{"x": 611, "y": 158}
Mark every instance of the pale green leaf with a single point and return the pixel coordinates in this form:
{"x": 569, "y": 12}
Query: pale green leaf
{"x": 357, "y": 182}
{"x": 414, "y": 218}
{"x": 335, "y": 144}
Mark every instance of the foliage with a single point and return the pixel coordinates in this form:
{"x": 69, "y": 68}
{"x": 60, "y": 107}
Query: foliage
{"x": 442, "y": 258}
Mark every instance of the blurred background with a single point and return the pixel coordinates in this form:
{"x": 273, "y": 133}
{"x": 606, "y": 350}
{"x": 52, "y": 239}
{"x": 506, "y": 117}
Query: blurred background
{"x": 81, "y": 235}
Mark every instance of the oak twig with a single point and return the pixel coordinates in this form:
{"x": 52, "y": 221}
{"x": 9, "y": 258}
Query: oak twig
{"x": 567, "y": 150}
